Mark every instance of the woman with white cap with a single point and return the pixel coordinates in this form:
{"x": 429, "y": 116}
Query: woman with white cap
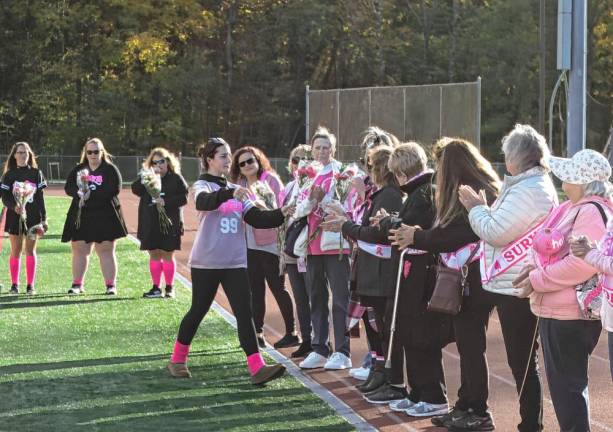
{"x": 568, "y": 339}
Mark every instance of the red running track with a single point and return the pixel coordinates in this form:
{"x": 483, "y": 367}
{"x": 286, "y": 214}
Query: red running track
{"x": 503, "y": 395}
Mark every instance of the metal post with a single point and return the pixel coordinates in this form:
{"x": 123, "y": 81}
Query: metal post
{"x": 576, "y": 127}
{"x": 542, "y": 66}
{"x": 307, "y": 125}
{"x": 479, "y": 113}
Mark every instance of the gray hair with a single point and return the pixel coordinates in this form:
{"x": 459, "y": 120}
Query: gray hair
{"x": 603, "y": 189}
{"x": 374, "y": 136}
{"x": 526, "y": 148}
{"x": 323, "y": 133}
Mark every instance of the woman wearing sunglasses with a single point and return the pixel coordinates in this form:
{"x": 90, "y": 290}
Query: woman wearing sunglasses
{"x": 161, "y": 245}
{"x": 251, "y": 168}
{"x": 99, "y": 221}
{"x": 20, "y": 166}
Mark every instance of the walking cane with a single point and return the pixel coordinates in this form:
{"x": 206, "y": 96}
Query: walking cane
{"x": 388, "y": 360}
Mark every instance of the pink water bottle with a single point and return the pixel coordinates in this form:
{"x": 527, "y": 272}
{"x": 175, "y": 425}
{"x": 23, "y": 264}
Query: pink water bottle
{"x": 548, "y": 242}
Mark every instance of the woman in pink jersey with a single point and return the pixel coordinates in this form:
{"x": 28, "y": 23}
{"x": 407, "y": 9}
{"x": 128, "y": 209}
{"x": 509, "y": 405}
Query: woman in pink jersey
{"x": 219, "y": 256}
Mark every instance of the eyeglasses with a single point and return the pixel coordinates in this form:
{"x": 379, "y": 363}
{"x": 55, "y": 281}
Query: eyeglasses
{"x": 246, "y": 162}
{"x": 93, "y": 152}
{"x": 158, "y": 162}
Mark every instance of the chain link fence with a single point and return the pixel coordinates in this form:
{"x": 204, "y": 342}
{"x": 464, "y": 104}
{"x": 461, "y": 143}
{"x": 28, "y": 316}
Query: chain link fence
{"x": 422, "y": 113}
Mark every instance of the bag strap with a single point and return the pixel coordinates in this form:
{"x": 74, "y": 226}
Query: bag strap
{"x": 471, "y": 256}
{"x": 603, "y": 214}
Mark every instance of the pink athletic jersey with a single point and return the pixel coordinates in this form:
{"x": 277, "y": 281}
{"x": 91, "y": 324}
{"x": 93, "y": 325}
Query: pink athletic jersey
{"x": 220, "y": 240}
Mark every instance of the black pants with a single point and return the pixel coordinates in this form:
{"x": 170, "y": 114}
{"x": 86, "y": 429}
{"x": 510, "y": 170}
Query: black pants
{"x": 297, "y": 281}
{"x": 424, "y": 364}
{"x": 518, "y": 328}
{"x": 263, "y": 267}
{"x": 567, "y": 346}
{"x": 235, "y": 284}
{"x": 374, "y": 337}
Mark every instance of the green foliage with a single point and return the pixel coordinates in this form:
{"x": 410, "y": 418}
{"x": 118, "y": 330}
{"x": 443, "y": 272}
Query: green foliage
{"x": 145, "y": 73}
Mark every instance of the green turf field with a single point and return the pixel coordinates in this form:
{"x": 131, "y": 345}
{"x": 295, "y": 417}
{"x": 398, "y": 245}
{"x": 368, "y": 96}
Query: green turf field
{"x": 97, "y": 363}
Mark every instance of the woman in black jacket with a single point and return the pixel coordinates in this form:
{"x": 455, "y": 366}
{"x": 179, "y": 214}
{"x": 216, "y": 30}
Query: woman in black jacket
{"x": 161, "y": 245}
{"x": 99, "y": 219}
{"x": 373, "y": 267}
{"x": 20, "y": 166}
{"x": 452, "y": 237}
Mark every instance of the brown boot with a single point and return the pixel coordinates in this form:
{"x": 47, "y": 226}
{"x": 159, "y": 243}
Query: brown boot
{"x": 178, "y": 370}
{"x": 267, "y": 373}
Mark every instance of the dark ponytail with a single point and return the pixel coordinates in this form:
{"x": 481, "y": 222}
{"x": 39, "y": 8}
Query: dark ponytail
{"x": 208, "y": 150}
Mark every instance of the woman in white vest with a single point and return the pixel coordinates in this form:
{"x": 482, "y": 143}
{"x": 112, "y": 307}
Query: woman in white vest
{"x": 507, "y": 228}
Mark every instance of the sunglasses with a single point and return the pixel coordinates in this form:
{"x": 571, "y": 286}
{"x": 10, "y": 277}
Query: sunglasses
{"x": 93, "y": 152}
{"x": 296, "y": 160}
{"x": 158, "y": 162}
{"x": 246, "y": 162}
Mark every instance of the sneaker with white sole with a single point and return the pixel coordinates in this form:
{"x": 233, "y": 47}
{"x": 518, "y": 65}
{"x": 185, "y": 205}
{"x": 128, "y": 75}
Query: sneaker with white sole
{"x": 402, "y": 405}
{"x": 313, "y": 361}
{"x": 338, "y": 361}
{"x": 425, "y": 409}
{"x": 360, "y": 373}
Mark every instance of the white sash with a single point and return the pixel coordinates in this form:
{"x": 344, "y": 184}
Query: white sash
{"x": 509, "y": 256}
{"x": 456, "y": 260}
{"x": 380, "y": 251}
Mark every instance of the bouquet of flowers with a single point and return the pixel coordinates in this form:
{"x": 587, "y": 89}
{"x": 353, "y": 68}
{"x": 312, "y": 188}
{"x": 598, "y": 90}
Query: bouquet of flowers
{"x": 264, "y": 193}
{"x": 306, "y": 173}
{"x": 342, "y": 181}
{"x": 23, "y": 193}
{"x": 36, "y": 230}
{"x": 83, "y": 185}
{"x": 153, "y": 184}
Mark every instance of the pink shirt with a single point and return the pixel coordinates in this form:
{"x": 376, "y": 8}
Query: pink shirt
{"x": 602, "y": 259}
{"x": 554, "y": 284}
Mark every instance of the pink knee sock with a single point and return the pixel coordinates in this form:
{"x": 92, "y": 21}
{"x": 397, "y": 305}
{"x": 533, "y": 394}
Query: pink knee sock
{"x": 155, "y": 268}
{"x": 255, "y": 362}
{"x": 30, "y": 269}
{"x": 179, "y": 353}
{"x": 169, "y": 272}
{"x": 14, "y": 266}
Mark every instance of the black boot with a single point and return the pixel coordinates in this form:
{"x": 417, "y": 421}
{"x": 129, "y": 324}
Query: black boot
{"x": 303, "y": 350}
{"x": 375, "y": 380}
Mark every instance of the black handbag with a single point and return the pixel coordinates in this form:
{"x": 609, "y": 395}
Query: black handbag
{"x": 291, "y": 235}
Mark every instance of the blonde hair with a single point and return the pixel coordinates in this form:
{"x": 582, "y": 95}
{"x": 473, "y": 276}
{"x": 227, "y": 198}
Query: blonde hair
{"x": 300, "y": 149}
{"x": 460, "y": 163}
{"x": 11, "y": 162}
{"x": 104, "y": 155}
{"x": 171, "y": 159}
{"x": 408, "y": 159}
{"x": 323, "y": 132}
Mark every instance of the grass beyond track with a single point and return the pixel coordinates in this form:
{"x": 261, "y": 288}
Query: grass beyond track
{"x": 97, "y": 363}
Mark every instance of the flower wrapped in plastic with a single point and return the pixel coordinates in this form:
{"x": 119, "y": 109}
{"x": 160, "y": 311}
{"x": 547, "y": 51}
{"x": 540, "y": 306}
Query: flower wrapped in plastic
{"x": 23, "y": 192}
{"x": 264, "y": 193}
{"x": 83, "y": 186}
{"x": 153, "y": 184}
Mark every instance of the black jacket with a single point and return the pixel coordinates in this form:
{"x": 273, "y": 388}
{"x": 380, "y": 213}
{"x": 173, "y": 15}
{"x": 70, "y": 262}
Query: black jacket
{"x": 374, "y": 275}
{"x": 174, "y": 193}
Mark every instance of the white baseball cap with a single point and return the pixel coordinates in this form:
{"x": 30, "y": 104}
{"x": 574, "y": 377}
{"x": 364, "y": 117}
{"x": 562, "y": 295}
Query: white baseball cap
{"x": 584, "y": 167}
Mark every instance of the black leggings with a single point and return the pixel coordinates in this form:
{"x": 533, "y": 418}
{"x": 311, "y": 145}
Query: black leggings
{"x": 235, "y": 284}
{"x": 263, "y": 267}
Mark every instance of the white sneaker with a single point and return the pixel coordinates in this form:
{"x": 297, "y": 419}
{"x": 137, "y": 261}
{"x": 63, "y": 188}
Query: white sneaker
{"x": 425, "y": 409}
{"x": 360, "y": 373}
{"x": 402, "y": 405}
{"x": 313, "y": 361}
{"x": 338, "y": 361}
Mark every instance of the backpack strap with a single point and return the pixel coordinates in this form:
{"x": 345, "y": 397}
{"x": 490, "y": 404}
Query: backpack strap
{"x": 603, "y": 214}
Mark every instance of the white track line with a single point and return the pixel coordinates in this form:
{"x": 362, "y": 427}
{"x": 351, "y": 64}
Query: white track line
{"x": 341, "y": 408}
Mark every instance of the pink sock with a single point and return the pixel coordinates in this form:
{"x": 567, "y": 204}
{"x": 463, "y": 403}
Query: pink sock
{"x": 14, "y": 266}
{"x": 30, "y": 269}
{"x": 169, "y": 271}
{"x": 155, "y": 268}
{"x": 109, "y": 282}
{"x": 77, "y": 282}
{"x": 179, "y": 353}
{"x": 255, "y": 362}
